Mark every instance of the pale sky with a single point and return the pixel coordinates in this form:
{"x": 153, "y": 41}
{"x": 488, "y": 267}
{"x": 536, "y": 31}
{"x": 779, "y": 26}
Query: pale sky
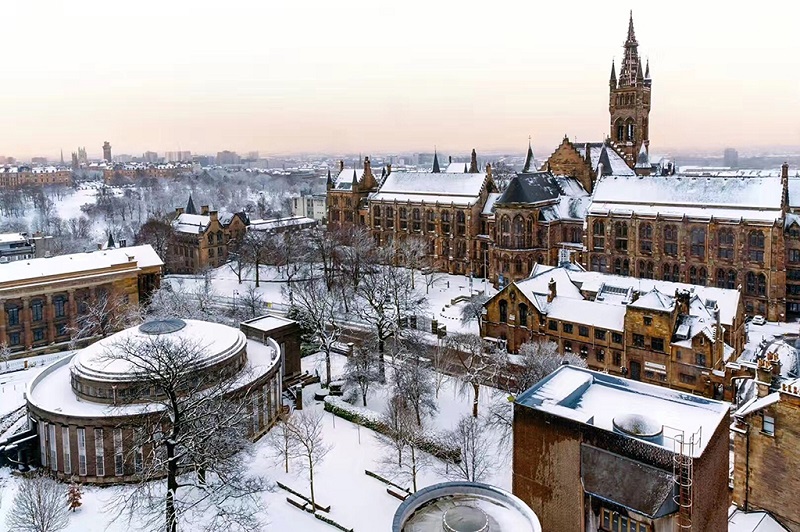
{"x": 374, "y": 76}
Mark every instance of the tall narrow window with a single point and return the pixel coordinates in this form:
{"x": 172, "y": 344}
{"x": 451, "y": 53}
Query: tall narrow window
{"x": 138, "y": 455}
{"x": 755, "y": 246}
{"x": 42, "y": 429}
{"x": 646, "y": 238}
{"x": 598, "y": 235}
{"x": 726, "y": 243}
{"x": 99, "y": 453}
{"x": 67, "y": 451}
{"x": 255, "y": 414}
{"x": 671, "y": 240}
{"x": 519, "y": 232}
{"x": 82, "y": 452}
{"x": 698, "y": 243}
{"x": 51, "y": 429}
{"x": 503, "y": 311}
{"x": 523, "y": 314}
{"x": 119, "y": 461}
{"x": 266, "y": 407}
{"x": 621, "y": 236}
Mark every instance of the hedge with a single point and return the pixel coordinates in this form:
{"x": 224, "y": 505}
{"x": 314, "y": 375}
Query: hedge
{"x": 430, "y": 443}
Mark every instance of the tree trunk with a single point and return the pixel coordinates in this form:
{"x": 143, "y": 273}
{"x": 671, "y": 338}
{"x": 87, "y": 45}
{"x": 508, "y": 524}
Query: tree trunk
{"x": 328, "y": 366}
{"x": 381, "y": 367}
{"x": 364, "y": 397}
{"x": 311, "y": 484}
{"x": 258, "y": 278}
{"x": 476, "y": 388}
{"x": 413, "y": 469}
{"x": 172, "y": 487}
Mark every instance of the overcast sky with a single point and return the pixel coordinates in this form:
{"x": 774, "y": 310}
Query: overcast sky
{"x": 375, "y": 76}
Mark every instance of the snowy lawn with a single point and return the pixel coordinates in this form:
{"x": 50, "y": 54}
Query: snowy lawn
{"x": 357, "y": 501}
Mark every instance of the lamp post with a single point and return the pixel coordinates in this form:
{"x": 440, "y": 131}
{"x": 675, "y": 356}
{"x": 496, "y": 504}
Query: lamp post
{"x": 235, "y": 293}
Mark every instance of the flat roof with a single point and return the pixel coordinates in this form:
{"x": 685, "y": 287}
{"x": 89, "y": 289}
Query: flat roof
{"x": 596, "y": 398}
{"x": 267, "y": 323}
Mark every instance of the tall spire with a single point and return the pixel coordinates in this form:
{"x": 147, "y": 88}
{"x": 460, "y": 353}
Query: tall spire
{"x": 631, "y": 34}
{"x": 630, "y": 69}
{"x": 613, "y": 80}
{"x": 436, "y": 169}
{"x": 473, "y": 162}
{"x": 529, "y": 162}
{"x": 329, "y": 182}
{"x": 647, "y": 69}
{"x": 190, "y": 208}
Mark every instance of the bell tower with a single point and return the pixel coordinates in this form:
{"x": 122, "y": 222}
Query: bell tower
{"x": 629, "y": 101}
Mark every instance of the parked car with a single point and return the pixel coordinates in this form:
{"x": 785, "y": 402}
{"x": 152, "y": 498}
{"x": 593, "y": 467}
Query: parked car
{"x": 758, "y": 320}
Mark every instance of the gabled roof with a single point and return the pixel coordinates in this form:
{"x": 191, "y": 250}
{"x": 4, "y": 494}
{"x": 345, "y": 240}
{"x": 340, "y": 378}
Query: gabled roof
{"x": 190, "y": 208}
{"x": 654, "y": 300}
{"x": 613, "y": 164}
{"x": 531, "y": 188}
{"x": 461, "y": 189}
{"x": 752, "y": 198}
{"x": 191, "y": 223}
{"x": 643, "y": 159}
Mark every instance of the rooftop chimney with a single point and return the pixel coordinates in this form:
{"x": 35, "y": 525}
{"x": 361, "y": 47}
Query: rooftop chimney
{"x": 552, "y": 290}
{"x": 489, "y": 170}
{"x": 204, "y": 210}
{"x": 341, "y": 165}
{"x": 389, "y": 169}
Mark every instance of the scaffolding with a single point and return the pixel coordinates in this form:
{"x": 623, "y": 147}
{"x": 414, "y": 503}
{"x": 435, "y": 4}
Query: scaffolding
{"x": 683, "y": 476}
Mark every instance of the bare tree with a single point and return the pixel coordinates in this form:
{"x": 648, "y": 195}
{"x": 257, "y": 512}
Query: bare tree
{"x": 413, "y": 253}
{"x": 252, "y": 302}
{"x": 476, "y": 363}
{"x": 324, "y": 251}
{"x": 317, "y": 306}
{"x": 537, "y": 360}
{"x": 158, "y": 234}
{"x": 308, "y": 448}
{"x": 195, "y": 439}
{"x": 281, "y": 440}
{"x": 361, "y": 370}
{"x": 404, "y": 460}
{"x": 478, "y": 451}
{"x": 288, "y": 251}
{"x": 374, "y": 307}
{"x": 106, "y": 313}
{"x": 473, "y": 309}
{"x": 39, "y": 506}
{"x": 5, "y": 355}
{"x": 254, "y": 249}
{"x": 412, "y": 378}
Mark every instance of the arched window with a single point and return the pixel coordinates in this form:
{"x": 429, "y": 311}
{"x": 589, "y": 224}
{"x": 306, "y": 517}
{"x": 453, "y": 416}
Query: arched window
{"x": 731, "y": 279}
{"x": 505, "y": 229}
{"x": 416, "y": 222}
{"x": 620, "y": 127}
{"x": 750, "y": 284}
{"x": 389, "y": 217}
{"x": 693, "y": 275}
{"x": 761, "y": 284}
{"x": 540, "y": 258}
{"x": 518, "y": 265}
{"x": 621, "y": 267}
{"x": 503, "y": 311}
{"x": 523, "y": 314}
{"x": 755, "y": 246}
{"x": 621, "y": 236}
{"x": 445, "y": 222}
{"x": 721, "y": 278}
{"x": 671, "y": 240}
{"x": 432, "y": 246}
{"x": 698, "y": 243}
{"x": 461, "y": 226}
{"x": 598, "y": 235}
{"x": 630, "y": 131}
{"x": 646, "y": 238}
{"x": 519, "y": 232}
{"x": 529, "y": 233}
{"x": 376, "y": 216}
{"x": 598, "y": 264}
{"x": 702, "y": 276}
{"x": 431, "y": 223}
{"x": 646, "y": 269}
{"x": 727, "y": 243}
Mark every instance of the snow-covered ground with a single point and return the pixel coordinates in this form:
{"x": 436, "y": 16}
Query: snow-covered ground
{"x": 357, "y": 501}
{"x": 439, "y": 297}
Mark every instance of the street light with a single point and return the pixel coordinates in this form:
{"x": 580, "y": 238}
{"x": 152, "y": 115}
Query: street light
{"x": 235, "y": 293}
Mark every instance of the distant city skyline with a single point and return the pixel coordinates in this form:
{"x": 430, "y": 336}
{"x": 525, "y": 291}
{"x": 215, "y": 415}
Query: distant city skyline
{"x": 351, "y": 76}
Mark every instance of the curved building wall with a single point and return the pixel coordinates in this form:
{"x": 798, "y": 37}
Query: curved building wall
{"x": 91, "y": 441}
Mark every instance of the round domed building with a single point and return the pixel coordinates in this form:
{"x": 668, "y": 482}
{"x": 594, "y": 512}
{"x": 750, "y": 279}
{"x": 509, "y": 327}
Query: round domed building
{"x": 86, "y": 408}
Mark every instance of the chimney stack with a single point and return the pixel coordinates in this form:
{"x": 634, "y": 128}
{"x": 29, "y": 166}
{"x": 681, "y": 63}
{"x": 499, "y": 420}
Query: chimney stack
{"x": 785, "y": 170}
{"x": 489, "y": 170}
{"x": 367, "y": 167}
{"x": 389, "y": 169}
{"x": 552, "y": 290}
{"x": 341, "y": 165}
{"x": 204, "y": 210}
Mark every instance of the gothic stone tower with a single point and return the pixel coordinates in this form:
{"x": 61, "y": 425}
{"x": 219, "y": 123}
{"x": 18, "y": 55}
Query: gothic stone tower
{"x": 629, "y": 102}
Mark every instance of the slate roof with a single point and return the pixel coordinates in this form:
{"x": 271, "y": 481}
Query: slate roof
{"x": 569, "y": 199}
{"x": 191, "y": 223}
{"x": 629, "y": 483}
{"x": 752, "y": 198}
{"x": 654, "y": 300}
{"x": 427, "y": 187}
{"x": 531, "y": 188}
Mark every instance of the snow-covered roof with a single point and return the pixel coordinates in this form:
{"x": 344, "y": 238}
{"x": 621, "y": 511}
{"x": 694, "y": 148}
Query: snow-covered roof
{"x": 491, "y": 199}
{"x": 280, "y": 223}
{"x": 344, "y": 181}
{"x": 39, "y": 270}
{"x": 191, "y": 223}
{"x": 214, "y": 343}
{"x": 268, "y": 323}
{"x": 9, "y": 238}
{"x": 596, "y": 398}
{"x": 613, "y": 164}
{"x": 757, "y": 403}
{"x": 594, "y": 313}
{"x": 457, "y": 168}
{"x": 741, "y": 521}
{"x": 654, "y": 300}
{"x": 754, "y": 198}
{"x": 51, "y": 390}
{"x": 794, "y": 192}
{"x": 593, "y": 282}
{"x": 428, "y": 187}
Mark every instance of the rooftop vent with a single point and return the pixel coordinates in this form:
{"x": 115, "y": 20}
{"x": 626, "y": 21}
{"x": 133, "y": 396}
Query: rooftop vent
{"x": 639, "y": 426}
{"x": 465, "y": 519}
{"x": 162, "y": 326}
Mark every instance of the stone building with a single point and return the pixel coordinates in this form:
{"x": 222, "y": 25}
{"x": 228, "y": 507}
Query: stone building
{"x": 42, "y": 299}
{"x": 314, "y": 206}
{"x": 201, "y": 241}
{"x": 716, "y": 231}
{"x": 16, "y": 246}
{"x": 133, "y": 171}
{"x": 765, "y": 432}
{"x": 21, "y": 176}
{"x": 443, "y": 209}
{"x": 596, "y": 452}
{"x": 86, "y": 419}
{"x": 665, "y": 333}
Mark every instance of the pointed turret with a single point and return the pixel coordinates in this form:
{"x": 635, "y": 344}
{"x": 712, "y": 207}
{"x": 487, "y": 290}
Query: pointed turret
{"x": 436, "y": 169}
{"x": 355, "y": 179}
{"x": 329, "y": 182}
{"x": 530, "y": 163}
{"x": 630, "y": 68}
{"x": 639, "y": 76}
{"x": 631, "y": 34}
{"x": 613, "y": 79}
{"x": 190, "y": 208}
{"x": 643, "y": 166}
{"x": 110, "y": 244}
{"x": 647, "y": 70}
{"x": 473, "y": 163}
